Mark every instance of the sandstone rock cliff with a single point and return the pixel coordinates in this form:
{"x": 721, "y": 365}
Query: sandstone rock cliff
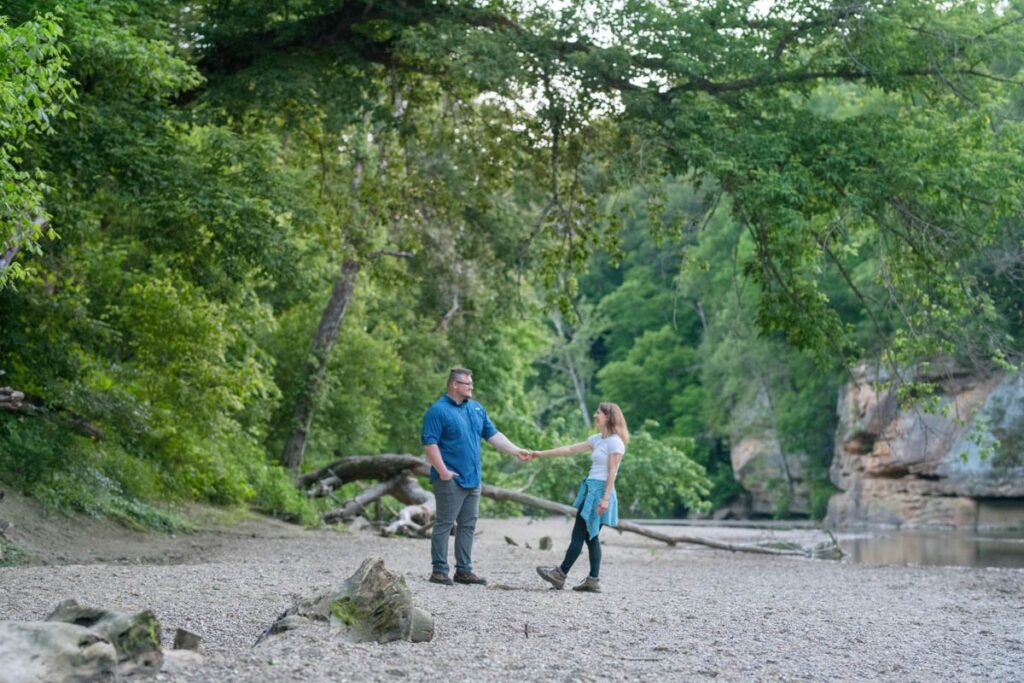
{"x": 961, "y": 467}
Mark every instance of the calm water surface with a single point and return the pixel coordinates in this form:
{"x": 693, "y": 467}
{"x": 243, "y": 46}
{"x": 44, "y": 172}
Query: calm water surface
{"x": 935, "y": 548}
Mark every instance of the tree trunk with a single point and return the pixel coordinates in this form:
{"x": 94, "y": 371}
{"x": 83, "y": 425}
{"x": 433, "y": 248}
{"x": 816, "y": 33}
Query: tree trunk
{"x": 323, "y": 342}
{"x": 11, "y": 249}
{"x": 577, "y": 385}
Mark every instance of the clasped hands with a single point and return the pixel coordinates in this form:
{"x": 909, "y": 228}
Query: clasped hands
{"x": 526, "y": 455}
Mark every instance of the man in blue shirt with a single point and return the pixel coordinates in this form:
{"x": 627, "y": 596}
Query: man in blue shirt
{"x": 452, "y": 429}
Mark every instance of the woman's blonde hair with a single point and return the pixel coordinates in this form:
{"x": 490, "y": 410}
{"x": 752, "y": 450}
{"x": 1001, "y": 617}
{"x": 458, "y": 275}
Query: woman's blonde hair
{"x": 616, "y": 420}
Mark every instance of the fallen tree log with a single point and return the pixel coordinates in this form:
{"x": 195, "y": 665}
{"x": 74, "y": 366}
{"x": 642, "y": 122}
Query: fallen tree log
{"x": 569, "y": 511}
{"x": 11, "y": 399}
{"x": 355, "y": 467}
{"x": 367, "y": 496}
{"x": 421, "y": 506}
{"x": 19, "y": 403}
{"x": 418, "y": 514}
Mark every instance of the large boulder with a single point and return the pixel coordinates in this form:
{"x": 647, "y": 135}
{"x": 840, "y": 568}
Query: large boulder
{"x": 959, "y": 466}
{"x": 53, "y": 652}
{"x": 373, "y": 604}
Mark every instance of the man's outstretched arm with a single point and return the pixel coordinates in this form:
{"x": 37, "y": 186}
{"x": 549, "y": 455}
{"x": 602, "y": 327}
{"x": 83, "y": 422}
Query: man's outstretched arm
{"x": 502, "y": 443}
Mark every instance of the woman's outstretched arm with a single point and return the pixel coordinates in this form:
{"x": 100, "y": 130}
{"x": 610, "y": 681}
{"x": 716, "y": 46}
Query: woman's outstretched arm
{"x": 572, "y": 449}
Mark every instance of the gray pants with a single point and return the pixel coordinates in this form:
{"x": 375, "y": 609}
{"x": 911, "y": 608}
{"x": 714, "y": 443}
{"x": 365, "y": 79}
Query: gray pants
{"x": 454, "y": 505}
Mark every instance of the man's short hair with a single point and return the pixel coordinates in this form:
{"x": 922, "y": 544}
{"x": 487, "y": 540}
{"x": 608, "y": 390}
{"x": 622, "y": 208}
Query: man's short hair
{"x": 458, "y": 372}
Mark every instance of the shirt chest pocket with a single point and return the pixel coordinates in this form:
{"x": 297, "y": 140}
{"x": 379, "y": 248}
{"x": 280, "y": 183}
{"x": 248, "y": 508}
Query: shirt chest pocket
{"x": 468, "y": 424}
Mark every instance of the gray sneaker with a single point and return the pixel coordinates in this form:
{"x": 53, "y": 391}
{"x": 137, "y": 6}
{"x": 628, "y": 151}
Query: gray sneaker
{"x": 588, "y": 585}
{"x": 553, "y": 575}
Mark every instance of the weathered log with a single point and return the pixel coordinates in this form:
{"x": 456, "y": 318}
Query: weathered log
{"x": 355, "y": 467}
{"x": 36, "y": 651}
{"x": 418, "y": 514}
{"x": 14, "y": 401}
{"x": 135, "y": 637}
{"x": 372, "y": 604}
{"x": 569, "y": 511}
{"x": 386, "y": 466}
{"x": 365, "y": 497}
{"x": 10, "y": 399}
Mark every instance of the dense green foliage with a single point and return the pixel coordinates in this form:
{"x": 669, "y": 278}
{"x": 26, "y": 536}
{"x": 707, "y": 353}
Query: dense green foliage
{"x": 705, "y": 219}
{"x": 33, "y": 88}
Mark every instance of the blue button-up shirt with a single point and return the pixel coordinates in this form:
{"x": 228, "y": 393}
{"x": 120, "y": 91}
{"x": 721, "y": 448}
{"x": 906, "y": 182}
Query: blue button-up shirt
{"x": 456, "y": 429}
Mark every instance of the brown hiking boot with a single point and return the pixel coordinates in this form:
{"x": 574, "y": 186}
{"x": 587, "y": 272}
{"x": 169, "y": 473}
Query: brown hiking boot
{"x": 438, "y": 577}
{"x": 553, "y": 575}
{"x": 588, "y": 585}
{"x": 470, "y": 579}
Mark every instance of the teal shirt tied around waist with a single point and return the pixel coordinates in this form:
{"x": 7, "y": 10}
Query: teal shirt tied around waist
{"x": 588, "y": 498}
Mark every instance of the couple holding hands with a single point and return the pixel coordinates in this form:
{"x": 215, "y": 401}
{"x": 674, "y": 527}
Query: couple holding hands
{"x": 452, "y": 429}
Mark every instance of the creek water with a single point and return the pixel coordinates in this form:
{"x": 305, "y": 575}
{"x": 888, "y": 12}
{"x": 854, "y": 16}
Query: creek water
{"x": 874, "y": 546}
{"x": 934, "y": 548}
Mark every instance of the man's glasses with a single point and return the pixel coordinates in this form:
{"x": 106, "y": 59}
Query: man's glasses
{"x": 468, "y": 384}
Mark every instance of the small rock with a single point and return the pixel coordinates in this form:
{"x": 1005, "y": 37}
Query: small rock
{"x": 186, "y": 640}
{"x": 546, "y": 543}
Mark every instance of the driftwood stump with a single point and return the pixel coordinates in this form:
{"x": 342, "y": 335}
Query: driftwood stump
{"x": 52, "y": 652}
{"x": 372, "y": 604}
{"x": 417, "y": 517}
{"x": 135, "y": 637}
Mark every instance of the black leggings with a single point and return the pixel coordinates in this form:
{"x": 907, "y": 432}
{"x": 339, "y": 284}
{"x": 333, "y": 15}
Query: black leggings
{"x": 579, "y": 537}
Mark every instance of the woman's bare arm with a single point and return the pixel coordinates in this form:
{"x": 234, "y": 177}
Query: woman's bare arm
{"x": 613, "y": 471}
{"x": 572, "y": 449}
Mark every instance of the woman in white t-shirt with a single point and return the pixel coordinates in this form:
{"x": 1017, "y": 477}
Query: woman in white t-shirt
{"x": 596, "y": 503}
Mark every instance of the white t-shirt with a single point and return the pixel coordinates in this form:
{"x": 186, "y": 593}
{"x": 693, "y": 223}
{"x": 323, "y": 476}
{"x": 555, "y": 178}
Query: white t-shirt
{"x": 603, "y": 447}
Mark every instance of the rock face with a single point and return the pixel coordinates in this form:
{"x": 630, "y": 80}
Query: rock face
{"x": 774, "y": 480}
{"x": 961, "y": 466}
{"x": 372, "y": 604}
